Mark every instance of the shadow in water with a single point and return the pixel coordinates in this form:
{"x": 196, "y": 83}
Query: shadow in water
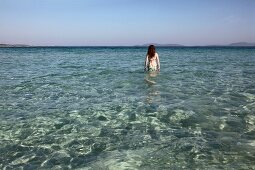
{"x": 150, "y": 77}
{"x": 152, "y": 87}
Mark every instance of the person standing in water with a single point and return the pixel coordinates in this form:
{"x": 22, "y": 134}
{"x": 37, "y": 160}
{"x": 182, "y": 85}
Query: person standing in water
{"x": 152, "y": 60}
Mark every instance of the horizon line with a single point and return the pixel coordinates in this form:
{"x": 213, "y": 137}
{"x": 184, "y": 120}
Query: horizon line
{"x": 248, "y": 44}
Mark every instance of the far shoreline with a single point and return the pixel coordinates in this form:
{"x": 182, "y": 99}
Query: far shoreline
{"x": 233, "y": 45}
{"x": 126, "y": 46}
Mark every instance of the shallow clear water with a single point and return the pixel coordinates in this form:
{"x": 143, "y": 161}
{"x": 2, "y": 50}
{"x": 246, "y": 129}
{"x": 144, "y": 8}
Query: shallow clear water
{"x": 91, "y": 108}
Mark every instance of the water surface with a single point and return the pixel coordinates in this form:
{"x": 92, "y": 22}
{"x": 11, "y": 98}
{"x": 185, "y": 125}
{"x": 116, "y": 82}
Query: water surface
{"x": 91, "y": 108}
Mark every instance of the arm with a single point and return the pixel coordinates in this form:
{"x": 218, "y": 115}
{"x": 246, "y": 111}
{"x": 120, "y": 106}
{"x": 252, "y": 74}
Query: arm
{"x": 146, "y": 63}
{"x": 158, "y": 63}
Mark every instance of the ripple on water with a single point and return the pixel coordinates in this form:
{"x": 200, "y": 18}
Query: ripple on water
{"x": 64, "y": 108}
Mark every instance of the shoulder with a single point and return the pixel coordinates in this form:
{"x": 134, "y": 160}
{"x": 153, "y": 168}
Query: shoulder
{"x": 156, "y": 54}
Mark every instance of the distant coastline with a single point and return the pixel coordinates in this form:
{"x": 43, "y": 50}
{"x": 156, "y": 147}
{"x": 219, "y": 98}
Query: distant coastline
{"x": 160, "y": 45}
{"x": 14, "y": 45}
{"x": 238, "y": 44}
{"x": 242, "y": 44}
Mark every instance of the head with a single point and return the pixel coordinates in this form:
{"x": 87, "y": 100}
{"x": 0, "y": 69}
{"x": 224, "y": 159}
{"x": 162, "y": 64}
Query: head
{"x": 151, "y": 51}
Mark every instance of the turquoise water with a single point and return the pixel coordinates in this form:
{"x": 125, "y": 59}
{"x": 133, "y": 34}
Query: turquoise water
{"x": 91, "y": 108}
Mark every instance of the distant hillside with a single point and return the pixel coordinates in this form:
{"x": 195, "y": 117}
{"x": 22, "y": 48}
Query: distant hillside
{"x": 14, "y": 45}
{"x": 161, "y": 45}
{"x": 242, "y": 44}
{"x": 238, "y": 44}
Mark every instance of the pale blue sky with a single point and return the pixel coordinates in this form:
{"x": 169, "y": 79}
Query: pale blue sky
{"x": 126, "y": 22}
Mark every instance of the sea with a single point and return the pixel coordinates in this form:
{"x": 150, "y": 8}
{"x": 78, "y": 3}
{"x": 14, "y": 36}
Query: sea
{"x": 95, "y": 108}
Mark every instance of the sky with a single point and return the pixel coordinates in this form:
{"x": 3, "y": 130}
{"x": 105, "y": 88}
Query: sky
{"x": 126, "y": 22}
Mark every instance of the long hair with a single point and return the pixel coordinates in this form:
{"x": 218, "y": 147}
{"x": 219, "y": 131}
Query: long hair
{"x": 151, "y": 51}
